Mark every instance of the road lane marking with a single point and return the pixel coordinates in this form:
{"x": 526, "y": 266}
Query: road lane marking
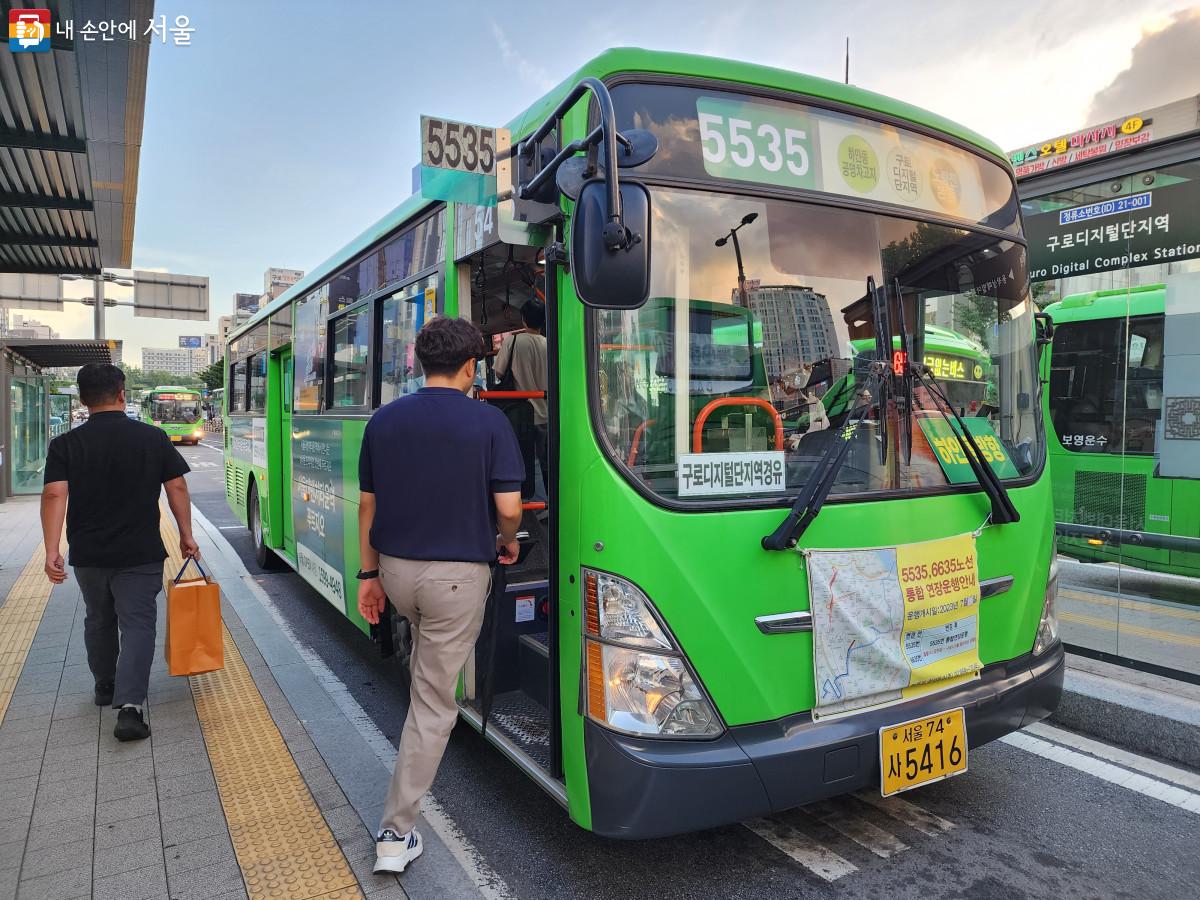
{"x": 1126, "y": 628}
{"x": 1106, "y": 771}
{"x": 866, "y": 834}
{"x": 910, "y": 814}
{"x": 486, "y": 880}
{"x": 818, "y": 859}
{"x": 1144, "y": 764}
{"x": 1139, "y": 605}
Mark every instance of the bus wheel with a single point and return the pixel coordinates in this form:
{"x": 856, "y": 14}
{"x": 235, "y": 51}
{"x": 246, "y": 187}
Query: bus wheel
{"x": 263, "y": 555}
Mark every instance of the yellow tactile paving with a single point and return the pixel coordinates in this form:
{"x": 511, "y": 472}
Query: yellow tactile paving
{"x": 19, "y": 619}
{"x": 282, "y": 842}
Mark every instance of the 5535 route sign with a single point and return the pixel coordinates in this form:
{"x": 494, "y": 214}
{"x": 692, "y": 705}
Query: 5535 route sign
{"x": 458, "y": 161}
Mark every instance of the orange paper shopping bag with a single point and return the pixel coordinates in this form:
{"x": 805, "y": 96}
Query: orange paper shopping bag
{"x": 193, "y": 644}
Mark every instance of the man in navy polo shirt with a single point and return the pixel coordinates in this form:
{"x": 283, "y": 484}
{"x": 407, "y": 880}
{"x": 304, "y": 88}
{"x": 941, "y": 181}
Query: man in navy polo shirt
{"x": 439, "y": 499}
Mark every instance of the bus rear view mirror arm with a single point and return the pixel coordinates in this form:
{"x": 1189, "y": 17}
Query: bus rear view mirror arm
{"x": 1044, "y": 328}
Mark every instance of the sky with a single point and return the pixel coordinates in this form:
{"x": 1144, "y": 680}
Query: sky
{"x": 288, "y": 127}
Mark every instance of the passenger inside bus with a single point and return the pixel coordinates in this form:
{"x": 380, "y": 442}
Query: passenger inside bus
{"x": 520, "y": 365}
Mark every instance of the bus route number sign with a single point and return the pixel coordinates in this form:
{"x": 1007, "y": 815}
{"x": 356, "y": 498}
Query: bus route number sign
{"x": 458, "y": 146}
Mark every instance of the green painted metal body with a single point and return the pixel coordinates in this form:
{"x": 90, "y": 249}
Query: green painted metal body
{"x": 1171, "y": 505}
{"x": 705, "y": 570}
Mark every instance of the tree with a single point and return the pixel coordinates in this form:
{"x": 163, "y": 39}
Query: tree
{"x": 214, "y": 376}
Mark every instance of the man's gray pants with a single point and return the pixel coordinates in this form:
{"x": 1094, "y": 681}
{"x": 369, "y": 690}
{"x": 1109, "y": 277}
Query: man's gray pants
{"x": 118, "y": 631}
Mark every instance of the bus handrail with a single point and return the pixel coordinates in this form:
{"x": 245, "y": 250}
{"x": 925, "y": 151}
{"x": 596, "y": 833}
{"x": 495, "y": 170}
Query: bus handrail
{"x": 637, "y": 439}
{"x": 512, "y": 395}
{"x": 698, "y": 428}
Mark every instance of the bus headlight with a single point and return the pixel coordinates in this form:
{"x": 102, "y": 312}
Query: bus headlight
{"x": 198, "y": 433}
{"x": 1047, "y": 632}
{"x": 640, "y": 684}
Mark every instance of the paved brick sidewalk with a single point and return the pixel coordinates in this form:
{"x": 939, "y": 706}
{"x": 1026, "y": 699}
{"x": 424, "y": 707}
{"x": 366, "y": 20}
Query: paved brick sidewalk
{"x": 83, "y": 815}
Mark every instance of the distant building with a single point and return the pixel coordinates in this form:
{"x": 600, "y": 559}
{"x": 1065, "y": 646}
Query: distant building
{"x": 23, "y": 328}
{"x": 796, "y": 323}
{"x": 276, "y": 281}
{"x": 175, "y": 360}
{"x": 214, "y": 347}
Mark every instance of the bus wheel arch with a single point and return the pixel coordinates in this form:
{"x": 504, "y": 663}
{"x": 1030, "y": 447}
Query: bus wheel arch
{"x": 263, "y": 555}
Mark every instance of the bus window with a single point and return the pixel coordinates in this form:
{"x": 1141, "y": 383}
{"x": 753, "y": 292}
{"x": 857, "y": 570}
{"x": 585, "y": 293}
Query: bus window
{"x": 400, "y": 318}
{"x": 237, "y": 387}
{"x": 1106, "y": 389}
{"x": 309, "y": 351}
{"x": 348, "y": 374}
{"x": 257, "y": 364}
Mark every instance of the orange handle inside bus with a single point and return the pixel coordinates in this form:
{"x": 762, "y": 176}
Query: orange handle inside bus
{"x": 637, "y": 439}
{"x": 698, "y": 428}
{"x": 512, "y": 395}
{"x": 532, "y": 505}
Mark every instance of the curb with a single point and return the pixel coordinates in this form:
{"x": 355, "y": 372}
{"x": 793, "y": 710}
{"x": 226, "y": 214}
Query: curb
{"x": 1145, "y": 713}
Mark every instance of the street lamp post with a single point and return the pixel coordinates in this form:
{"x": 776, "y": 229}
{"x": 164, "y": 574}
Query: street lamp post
{"x": 98, "y": 297}
{"x": 737, "y": 252}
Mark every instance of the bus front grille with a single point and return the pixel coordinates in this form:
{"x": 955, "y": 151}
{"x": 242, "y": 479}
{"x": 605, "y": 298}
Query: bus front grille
{"x": 1110, "y": 500}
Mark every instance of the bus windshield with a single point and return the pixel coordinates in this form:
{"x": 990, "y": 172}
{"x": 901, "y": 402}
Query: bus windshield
{"x": 777, "y": 323}
{"x": 175, "y": 409}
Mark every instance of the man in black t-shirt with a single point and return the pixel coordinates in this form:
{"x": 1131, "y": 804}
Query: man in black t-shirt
{"x": 439, "y": 500}
{"x": 113, "y": 468}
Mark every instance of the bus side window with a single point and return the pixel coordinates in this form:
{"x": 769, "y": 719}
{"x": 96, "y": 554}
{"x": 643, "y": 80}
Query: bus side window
{"x": 1143, "y": 383}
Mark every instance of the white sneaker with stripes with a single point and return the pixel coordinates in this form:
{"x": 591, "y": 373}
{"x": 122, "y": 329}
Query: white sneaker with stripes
{"x": 393, "y": 852}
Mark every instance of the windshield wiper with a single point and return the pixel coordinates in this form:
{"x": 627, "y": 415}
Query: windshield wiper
{"x": 883, "y": 355}
{"x": 816, "y": 489}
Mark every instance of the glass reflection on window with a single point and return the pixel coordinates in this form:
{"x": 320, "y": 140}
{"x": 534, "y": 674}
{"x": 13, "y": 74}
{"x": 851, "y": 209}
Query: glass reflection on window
{"x": 401, "y": 317}
{"x": 348, "y": 382}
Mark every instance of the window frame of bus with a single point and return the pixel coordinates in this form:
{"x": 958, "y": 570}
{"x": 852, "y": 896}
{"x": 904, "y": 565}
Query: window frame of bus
{"x": 800, "y": 195}
{"x": 358, "y": 308}
{"x": 260, "y": 359}
{"x": 1118, "y": 423}
{"x": 237, "y": 378}
{"x": 376, "y": 348}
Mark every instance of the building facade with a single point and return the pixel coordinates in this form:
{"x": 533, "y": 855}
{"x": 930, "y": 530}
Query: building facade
{"x": 797, "y": 324}
{"x": 175, "y": 360}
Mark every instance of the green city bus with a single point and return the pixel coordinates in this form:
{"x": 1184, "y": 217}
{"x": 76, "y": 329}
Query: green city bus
{"x": 692, "y": 635}
{"x": 1122, "y": 492}
{"x": 176, "y": 410}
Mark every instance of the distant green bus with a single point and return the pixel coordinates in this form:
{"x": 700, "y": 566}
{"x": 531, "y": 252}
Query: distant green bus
{"x": 667, "y": 654}
{"x": 176, "y": 410}
{"x": 1118, "y": 497}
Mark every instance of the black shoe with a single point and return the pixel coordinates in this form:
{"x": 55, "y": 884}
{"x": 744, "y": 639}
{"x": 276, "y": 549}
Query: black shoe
{"x": 130, "y": 725}
{"x": 104, "y": 693}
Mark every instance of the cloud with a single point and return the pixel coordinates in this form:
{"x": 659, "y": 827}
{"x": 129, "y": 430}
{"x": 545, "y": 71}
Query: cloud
{"x": 529, "y": 72}
{"x": 1162, "y": 68}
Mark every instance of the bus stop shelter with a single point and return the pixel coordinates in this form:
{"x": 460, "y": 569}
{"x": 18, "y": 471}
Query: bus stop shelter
{"x": 28, "y": 424}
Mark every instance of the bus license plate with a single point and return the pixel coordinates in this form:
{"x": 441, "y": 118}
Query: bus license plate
{"x": 176, "y": 437}
{"x": 927, "y": 749}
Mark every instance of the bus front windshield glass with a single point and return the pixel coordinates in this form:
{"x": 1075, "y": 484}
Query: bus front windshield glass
{"x": 777, "y": 323}
{"x": 175, "y": 411}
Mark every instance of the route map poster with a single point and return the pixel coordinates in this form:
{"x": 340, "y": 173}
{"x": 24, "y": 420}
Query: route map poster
{"x": 892, "y": 623}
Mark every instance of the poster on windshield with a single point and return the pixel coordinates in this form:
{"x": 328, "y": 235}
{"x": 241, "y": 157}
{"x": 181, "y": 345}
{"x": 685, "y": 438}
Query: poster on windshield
{"x": 892, "y": 623}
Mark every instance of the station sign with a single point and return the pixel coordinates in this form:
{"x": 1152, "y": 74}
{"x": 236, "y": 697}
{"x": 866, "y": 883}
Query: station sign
{"x": 459, "y": 160}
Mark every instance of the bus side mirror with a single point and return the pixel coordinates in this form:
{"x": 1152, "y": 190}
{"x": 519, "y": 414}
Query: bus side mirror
{"x": 604, "y": 278}
{"x": 1043, "y": 327}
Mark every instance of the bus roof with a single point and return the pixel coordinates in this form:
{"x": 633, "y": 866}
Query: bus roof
{"x": 176, "y": 388}
{"x": 938, "y": 338}
{"x": 655, "y": 62}
{"x": 1144, "y": 300}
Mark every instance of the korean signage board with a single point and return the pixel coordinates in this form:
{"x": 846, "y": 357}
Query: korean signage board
{"x": 1159, "y": 223}
{"x": 1081, "y": 146}
{"x": 190, "y": 342}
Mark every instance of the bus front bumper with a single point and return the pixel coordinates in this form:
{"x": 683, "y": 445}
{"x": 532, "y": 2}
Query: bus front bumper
{"x": 645, "y": 788}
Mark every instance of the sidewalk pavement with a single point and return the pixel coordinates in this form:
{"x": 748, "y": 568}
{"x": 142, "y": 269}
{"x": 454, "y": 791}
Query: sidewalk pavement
{"x": 253, "y": 784}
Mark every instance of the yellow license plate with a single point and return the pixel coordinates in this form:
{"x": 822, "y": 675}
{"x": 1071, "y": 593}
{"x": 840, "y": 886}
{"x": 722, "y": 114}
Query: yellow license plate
{"x": 927, "y": 749}
{"x": 176, "y": 437}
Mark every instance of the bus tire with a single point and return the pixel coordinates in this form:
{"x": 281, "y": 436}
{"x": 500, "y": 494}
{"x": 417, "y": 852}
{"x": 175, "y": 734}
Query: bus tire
{"x": 263, "y": 555}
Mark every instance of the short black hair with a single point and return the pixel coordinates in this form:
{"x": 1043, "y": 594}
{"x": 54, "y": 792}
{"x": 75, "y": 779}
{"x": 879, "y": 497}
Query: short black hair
{"x": 445, "y": 343}
{"x": 100, "y": 383}
{"x": 533, "y": 314}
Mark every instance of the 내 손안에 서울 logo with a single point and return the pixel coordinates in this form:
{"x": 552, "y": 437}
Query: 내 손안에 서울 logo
{"x": 29, "y": 30}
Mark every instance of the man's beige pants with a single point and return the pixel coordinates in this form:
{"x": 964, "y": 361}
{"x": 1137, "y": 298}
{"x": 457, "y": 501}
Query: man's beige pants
{"x": 444, "y": 602}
